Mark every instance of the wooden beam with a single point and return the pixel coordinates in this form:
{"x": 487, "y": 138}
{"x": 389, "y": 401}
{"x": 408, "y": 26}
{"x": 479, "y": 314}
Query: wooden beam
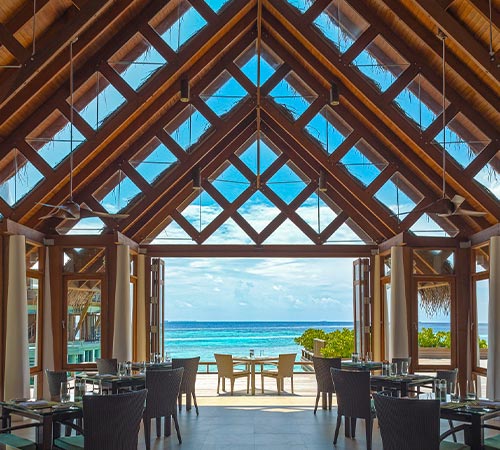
{"x": 485, "y": 235}
{"x": 8, "y": 226}
{"x": 12, "y": 44}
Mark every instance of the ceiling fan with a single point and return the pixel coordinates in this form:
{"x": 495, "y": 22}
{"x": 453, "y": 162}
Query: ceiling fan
{"x": 71, "y": 210}
{"x": 445, "y": 207}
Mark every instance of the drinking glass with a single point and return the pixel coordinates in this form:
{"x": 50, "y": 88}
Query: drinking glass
{"x": 122, "y": 369}
{"x": 385, "y": 369}
{"x": 142, "y": 366}
{"x": 393, "y": 369}
{"x": 368, "y": 357}
{"x": 355, "y": 357}
{"x": 79, "y": 390}
{"x": 471, "y": 390}
{"x": 404, "y": 368}
{"x": 64, "y": 392}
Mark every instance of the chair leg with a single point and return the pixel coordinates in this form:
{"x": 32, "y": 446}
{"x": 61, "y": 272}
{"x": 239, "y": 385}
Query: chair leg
{"x": 188, "y": 401}
{"x": 218, "y": 383}
{"x": 337, "y": 428}
{"x": 317, "y": 401}
{"x": 369, "y": 429}
{"x": 195, "y": 404}
{"x": 353, "y": 427}
{"x": 330, "y": 399}
{"x": 179, "y": 401}
{"x": 450, "y": 422}
{"x": 232, "y": 385}
{"x": 262, "y": 382}
{"x": 147, "y": 432}
{"x": 248, "y": 384}
{"x": 291, "y": 379}
{"x": 278, "y": 385}
{"x": 167, "y": 425}
{"x": 158, "y": 426}
{"x": 176, "y": 423}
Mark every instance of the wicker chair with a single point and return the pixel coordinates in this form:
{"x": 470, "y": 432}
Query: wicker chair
{"x": 163, "y": 389}
{"x": 111, "y": 422}
{"x": 412, "y": 424}
{"x": 354, "y": 402}
{"x": 324, "y": 380}
{"x": 107, "y": 366}
{"x": 188, "y": 383}
{"x": 225, "y": 369}
{"x": 284, "y": 370}
{"x": 451, "y": 386}
{"x": 54, "y": 380}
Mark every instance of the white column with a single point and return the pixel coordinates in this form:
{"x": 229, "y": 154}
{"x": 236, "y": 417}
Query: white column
{"x": 142, "y": 354}
{"x": 48, "y": 337}
{"x": 17, "y": 371}
{"x": 493, "y": 380}
{"x": 122, "y": 336}
{"x": 398, "y": 347}
{"x": 377, "y": 319}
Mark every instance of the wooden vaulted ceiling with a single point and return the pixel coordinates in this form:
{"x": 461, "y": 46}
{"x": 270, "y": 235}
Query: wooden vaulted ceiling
{"x": 34, "y": 83}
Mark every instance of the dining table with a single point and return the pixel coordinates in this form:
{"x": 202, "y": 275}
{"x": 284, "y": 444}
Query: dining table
{"x": 252, "y": 362}
{"x": 113, "y": 382}
{"x": 47, "y": 413}
{"x": 399, "y": 383}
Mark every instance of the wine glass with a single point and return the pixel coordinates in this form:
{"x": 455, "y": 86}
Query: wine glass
{"x": 64, "y": 392}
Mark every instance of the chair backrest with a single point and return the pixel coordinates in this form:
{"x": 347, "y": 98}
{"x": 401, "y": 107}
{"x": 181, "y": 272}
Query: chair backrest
{"x": 451, "y": 379}
{"x": 322, "y": 368}
{"x": 190, "y": 366}
{"x": 54, "y": 380}
{"x": 286, "y": 362}
{"x": 400, "y": 361}
{"x": 107, "y": 366}
{"x": 353, "y": 392}
{"x": 407, "y": 423}
{"x": 225, "y": 366}
{"x": 112, "y": 421}
{"x": 163, "y": 388}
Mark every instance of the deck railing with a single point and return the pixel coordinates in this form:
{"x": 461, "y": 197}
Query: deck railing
{"x": 306, "y": 366}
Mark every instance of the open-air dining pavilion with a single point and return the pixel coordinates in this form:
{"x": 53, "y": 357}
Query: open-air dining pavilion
{"x": 137, "y": 130}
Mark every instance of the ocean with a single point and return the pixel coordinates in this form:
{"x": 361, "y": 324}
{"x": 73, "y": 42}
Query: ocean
{"x": 187, "y": 339}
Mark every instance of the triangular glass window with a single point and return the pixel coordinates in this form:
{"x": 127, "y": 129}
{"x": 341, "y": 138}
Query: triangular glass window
{"x": 420, "y": 101}
{"x": 341, "y": 25}
{"x": 345, "y": 234}
{"x": 52, "y": 139}
{"x": 202, "y": 211}
{"x": 117, "y": 193}
{"x": 176, "y": 27}
{"x": 137, "y": 61}
{"x": 89, "y": 226}
{"x": 288, "y": 234}
{"x": 426, "y": 226}
{"x": 104, "y": 100}
{"x": 193, "y": 126}
{"x": 173, "y": 234}
{"x": 248, "y": 63}
{"x": 293, "y": 96}
{"x": 363, "y": 162}
{"x": 223, "y": 94}
{"x": 18, "y": 177}
{"x": 217, "y": 5}
{"x": 398, "y": 195}
{"x": 286, "y": 184}
{"x": 268, "y": 155}
{"x": 231, "y": 183}
{"x": 489, "y": 177}
{"x": 229, "y": 233}
{"x": 258, "y": 211}
{"x": 152, "y": 160}
{"x": 301, "y": 5}
{"x": 380, "y": 63}
{"x": 328, "y": 129}
{"x": 316, "y": 213}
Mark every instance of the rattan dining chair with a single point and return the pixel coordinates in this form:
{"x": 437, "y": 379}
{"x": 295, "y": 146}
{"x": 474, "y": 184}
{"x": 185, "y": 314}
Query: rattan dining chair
{"x": 412, "y": 424}
{"x": 353, "y": 402}
{"x": 284, "y": 369}
{"x": 188, "y": 384}
{"x": 110, "y": 422}
{"x": 163, "y": 389}
{"x": 54, "y": 380}
{"x": 451, "y": 386}
{"x": 107, "y": 366}
{"x": 324, "y": 380}
{"x": 225, "y": 369}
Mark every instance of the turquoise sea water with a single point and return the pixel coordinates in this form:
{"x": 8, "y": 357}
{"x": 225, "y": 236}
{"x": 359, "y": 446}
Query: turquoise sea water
{"x": 186, "y": 339}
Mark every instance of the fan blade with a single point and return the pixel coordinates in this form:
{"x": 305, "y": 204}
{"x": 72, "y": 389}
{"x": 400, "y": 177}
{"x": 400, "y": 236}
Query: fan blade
{"x": 442, "y": 207}
{"x": 457, "y": 200}
{"x": 85, "y": 211}
{"x": 48, "y": 205}
{"x": 468, "y": 212}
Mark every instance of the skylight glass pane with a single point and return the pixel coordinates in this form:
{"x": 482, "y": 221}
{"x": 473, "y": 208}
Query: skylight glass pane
{"x": 293, "y": 96}
{"x": 426, "y": 226}
{"x": 267, "y": 155}
{"x": 341, "y": 25}
{"x": 489, "y": 177}
{"x": 18, "y": 177}
{"x": 286, "y": 184}
{"x": 153, "y": 160}
{"x": 380, "y": 63}
{"x": 399, "y": 196}
{"x": 345, "y": 234}
{"x": 116, "y": 198}
{"x": 363, "y": 163}
{"x": 87, "y": 226}
{"x": 258, "y": 211}
{"x": 420, "y": 102}
{"x": 301, "y": 5}
{"x": 328, "y": 129}
{"x": 228, "y": 233}
{"x": 136, "y": 61}
{"x": 248, "y": 64}
{"x": 288, "y": 233}
{"x": 316, "y": 213}
{"x": 223, "y": 94}
{"x": 173, "y": 234}
{"x": 231, "y": 183}
{"x": 180, "y": 31}
{"x": 217, "y": 5}
{"x": 105, "y": 102}
{"x": 202, "y": 211}
{"x": 53, "y": 141}
{"x": 191, "y": 130}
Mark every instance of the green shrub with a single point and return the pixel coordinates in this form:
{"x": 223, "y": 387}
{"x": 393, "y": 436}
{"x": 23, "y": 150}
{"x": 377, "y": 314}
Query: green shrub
{"x": 339, "y": 344}
{"x": 483, "y": 343}
{"x": 439, "y": 339}
{"x": 308, "y": 336}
